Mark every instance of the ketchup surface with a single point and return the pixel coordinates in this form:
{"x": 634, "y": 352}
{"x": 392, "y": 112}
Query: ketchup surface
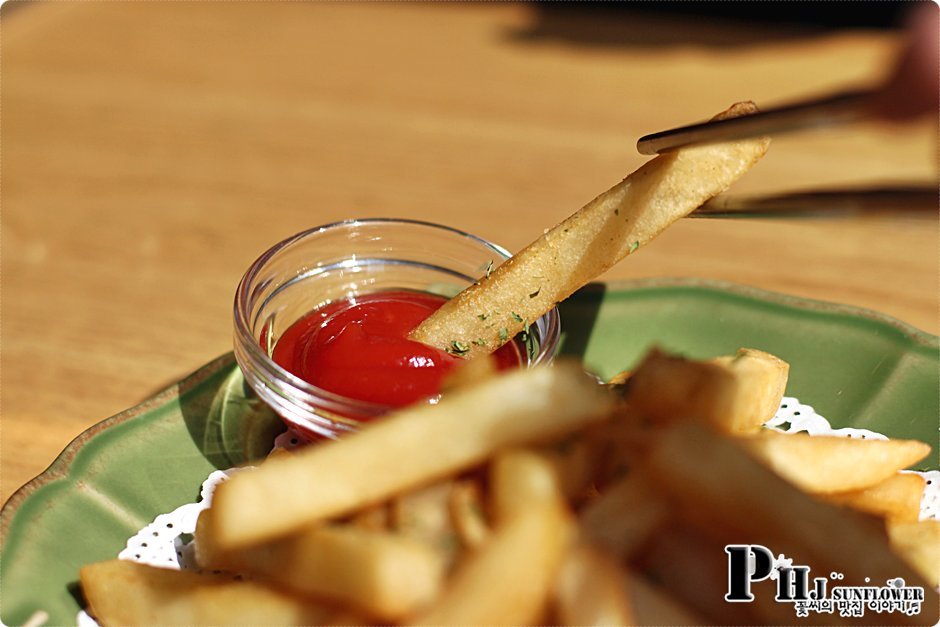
{"x": 359, "y": 348}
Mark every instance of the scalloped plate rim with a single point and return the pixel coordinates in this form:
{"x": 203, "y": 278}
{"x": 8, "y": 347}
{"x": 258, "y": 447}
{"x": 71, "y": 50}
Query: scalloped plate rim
{"x": 61, "y": 466}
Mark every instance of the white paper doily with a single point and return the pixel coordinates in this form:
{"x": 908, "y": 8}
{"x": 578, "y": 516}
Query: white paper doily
{"x": 167, "y": 541}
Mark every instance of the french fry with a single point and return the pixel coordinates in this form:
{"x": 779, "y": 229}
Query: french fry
{"x": 737, "y": 394}
{"x": 576, "y": 462}
{"x": 827, "y": 464}
{"x": 616, "y": 444}
{"x": 382, "y": 574}
{"x": 208, "y": 553}
{"x": 591, "y": 590}
{"x": 760, "y": 380}
{"x": 620, "y": 378}
{"x": 127, "y": 593}
{"x": 624, "y": 515}
{"x": 520, "y": 479}
{"x": 509, "y": 579}
{"x": 278, "y": 452}
{"x": 417, "y": 446}
{"x": 653, "y": 605}
{"x": 423, "y": 515}
{"x": 665, "y": 388}
{"x": 373, "y": 518}
{"x": 466, "y": 512}
{"x": 897, "y": 498}
{"x": 607, "y": 229}
{"x": 919, "y": 544}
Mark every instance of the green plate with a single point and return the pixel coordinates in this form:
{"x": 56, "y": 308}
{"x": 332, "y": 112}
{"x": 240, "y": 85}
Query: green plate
{"x": 857, "y": 368}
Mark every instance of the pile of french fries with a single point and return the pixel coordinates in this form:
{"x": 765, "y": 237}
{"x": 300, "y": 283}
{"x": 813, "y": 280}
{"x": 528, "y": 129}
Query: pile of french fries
{"x": 543, "y": 497}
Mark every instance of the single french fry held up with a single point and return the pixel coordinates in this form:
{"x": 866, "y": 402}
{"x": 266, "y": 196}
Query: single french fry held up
{"x": 607, "y": 229}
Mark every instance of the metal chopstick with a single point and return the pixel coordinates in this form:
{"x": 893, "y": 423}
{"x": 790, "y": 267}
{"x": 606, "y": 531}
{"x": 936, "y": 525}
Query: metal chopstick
{"x": 846, "y": 106}
{"x": 898, "y": 201}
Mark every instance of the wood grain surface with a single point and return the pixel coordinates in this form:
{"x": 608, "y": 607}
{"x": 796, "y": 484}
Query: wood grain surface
{"x": 152, "y": 150}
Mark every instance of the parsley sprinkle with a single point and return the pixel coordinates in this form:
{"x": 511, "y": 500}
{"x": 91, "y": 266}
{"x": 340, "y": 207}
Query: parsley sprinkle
{"x": 503, "y": 334}
{"x": 516, "y": 317}
{"x": 634, "y": 246}
{"x": 535, "y": 293}
{"x": 482, "y": 316}
{"x": 525, "y": 330}
{"x": 459, "y": 348}
{"x": 479, "y": 341}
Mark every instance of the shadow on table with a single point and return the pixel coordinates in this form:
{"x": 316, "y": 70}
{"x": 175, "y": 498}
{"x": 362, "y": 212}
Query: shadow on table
{"x": 711, "y": 24}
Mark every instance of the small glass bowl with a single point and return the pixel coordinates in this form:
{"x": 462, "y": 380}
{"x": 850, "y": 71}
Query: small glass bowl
{"x": 335, "y": 262}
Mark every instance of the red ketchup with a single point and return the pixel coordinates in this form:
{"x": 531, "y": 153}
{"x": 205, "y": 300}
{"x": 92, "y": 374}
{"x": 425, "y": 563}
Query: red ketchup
{"x": 359, "y": 349}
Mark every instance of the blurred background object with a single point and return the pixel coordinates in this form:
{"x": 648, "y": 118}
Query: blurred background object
{"x": 810, "y": 16}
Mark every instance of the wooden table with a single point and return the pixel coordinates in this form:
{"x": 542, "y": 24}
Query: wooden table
{"x": 152, "y": 150}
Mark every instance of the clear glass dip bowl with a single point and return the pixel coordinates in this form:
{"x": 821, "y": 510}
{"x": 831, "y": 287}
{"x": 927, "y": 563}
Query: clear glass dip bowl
{"x": 334, "y": 262}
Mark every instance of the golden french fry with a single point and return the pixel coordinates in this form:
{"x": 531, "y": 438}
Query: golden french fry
{"x": 346, "y": 617}
{"x": 423, "y": 515}
{"x": 736, "y": 394}
{"x": 127, "y": 593}
{"x": 372, "y": 518}
{"x": 208, "y": 553}
{"x": 827, "y": 464}
{"x": 616, "y": 445}
{"x": 919, "y": 544}
{"x": 576, "y": 464}
{"x": 897, "y": 498}
{"x": 653, "y": 605}
{"x": 278, "y": 452}
{"x": 466, "y": 511}
{"x": 383, "y": 574}
{"x": 607, "y": 229}
{"x": 665, "y": 388}
{"x": 728, "y": 493}
{"x": 759, "y": 381}
{"x": 624, "y": 515}
{"x": 520, "y": 479}
{"x": 509, "y": 579}
{"x": 591, "y": 590}
{"x": 620, "y": 378}
{"x": 414, "y": 447}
